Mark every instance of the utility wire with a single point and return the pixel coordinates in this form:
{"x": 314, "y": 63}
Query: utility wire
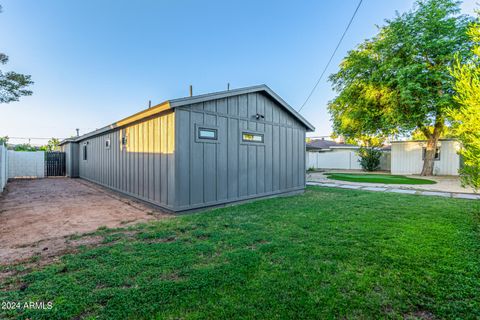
{"x": 32, "y": 138}
{"x": 333, "y": 54}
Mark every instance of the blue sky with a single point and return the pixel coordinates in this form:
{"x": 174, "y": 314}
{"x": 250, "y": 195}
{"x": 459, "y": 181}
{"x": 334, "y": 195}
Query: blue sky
{"x": 95, "y": 62}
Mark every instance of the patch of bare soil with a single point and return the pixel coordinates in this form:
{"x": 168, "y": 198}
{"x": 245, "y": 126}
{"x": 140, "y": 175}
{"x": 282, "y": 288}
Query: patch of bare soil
{"x": 38, "y": 216}
{"x": 43, "y": 253}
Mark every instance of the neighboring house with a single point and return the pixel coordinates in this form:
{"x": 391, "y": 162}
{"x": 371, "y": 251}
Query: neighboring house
{"x": 326, "y": 154}
{"x": 198, "y": 151}
{"x": 408, "y": 156}
{"x": 321, "y": 145}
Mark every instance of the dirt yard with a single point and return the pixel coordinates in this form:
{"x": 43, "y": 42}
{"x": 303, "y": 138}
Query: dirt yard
{"x": 38, "y": 216}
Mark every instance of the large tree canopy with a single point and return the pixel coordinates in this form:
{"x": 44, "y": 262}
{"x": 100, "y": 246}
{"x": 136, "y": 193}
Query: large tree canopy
{"x": 400, "y": 80}
{"x": 466, "y": 118}
{"x": 12, "y": 85}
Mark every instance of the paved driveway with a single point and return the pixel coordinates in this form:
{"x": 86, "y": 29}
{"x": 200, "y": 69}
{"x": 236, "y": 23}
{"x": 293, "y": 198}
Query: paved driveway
{"x": 37, "y": 215}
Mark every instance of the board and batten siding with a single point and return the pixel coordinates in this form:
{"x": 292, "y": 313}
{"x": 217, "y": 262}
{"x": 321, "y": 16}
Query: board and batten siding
{"x": 407, "y": 158}
{"x": 227, "y": 170}
{"x": 144, "y": 167}
{"x": 72, "y": 158}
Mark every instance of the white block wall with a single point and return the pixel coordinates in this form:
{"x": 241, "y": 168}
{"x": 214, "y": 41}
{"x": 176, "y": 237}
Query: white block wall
{"x": 407, "y": 158}
{"x": 336, "y": 159}
{"x": 342, "y": 159}
{"x": 26, "y": 164}
{"x": 3, "y": 167}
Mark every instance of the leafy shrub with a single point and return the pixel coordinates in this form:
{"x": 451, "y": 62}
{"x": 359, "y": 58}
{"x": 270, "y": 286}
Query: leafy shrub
{"x": 470, "y": 169}
{"x": 369, "y": 158}
{"x": 466, "y": 118}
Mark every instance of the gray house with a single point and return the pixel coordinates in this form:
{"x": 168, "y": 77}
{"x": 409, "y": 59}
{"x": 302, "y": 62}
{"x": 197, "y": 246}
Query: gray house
{"x": 198, "y": 151}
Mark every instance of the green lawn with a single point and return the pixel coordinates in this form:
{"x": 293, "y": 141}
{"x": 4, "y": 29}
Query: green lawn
{"x": 329, "y": 253}
{"x": 377, "y": 178}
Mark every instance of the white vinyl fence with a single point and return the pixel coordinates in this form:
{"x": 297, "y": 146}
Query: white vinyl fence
{"x": 26, "y": 164}
{"x": 3, "y": 167}
{"x": 338, "y": 159}
{"x": 341, "y": 160}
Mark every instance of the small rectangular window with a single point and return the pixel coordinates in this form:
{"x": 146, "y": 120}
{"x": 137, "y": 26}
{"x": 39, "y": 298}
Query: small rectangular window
{"x": 252, "y": 137}
{"x": 207, "y": 133}
{"x": 124, "y": 141}
{"x": 437, "y": 153}
{"x": 84, "y": 152}
{"x": 107, "y": 144}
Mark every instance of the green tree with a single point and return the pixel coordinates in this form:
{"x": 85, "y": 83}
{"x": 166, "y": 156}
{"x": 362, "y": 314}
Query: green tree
{"x": 12, "y": 85}
{"x": 367, "y": 141}
{"x": 24, "y": 147}
{"x": 4, "y": 140}
{"x": 52, "y": 145}
{"x": 419, "y": 135}
{"x": 400, "y": 81}
{"x": 466, "y": 118}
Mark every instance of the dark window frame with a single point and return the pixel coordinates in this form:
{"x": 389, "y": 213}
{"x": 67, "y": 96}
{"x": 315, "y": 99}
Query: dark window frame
{"x": 199, "y": 133}
{"x": 201, "y": 126}
{"x": 85, "y": 152}
{"x": 437, "y": 153}
{"x": 124, "y": 139}
{"x": 262, "y": 135}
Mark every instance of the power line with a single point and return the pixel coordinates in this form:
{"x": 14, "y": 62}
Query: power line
{"x": 33, "y": 138}
{"x": 333, "y": 54}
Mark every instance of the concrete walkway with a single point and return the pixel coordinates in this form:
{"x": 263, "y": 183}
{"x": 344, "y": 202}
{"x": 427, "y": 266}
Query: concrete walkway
{"x": 448, "y": 187}
{"x": 468, "y": 196}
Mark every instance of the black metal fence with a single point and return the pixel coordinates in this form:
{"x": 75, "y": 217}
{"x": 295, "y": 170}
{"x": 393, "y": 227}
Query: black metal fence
{"x": 54, "y": 164}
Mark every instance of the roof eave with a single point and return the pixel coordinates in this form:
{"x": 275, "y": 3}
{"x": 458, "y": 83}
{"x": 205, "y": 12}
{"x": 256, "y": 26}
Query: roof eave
{"x": 225, "y": 94}
{"x": 405, "y": 141}
{"x": 126, "y": 121}
{"x": 344, "y": 147}
{"x": 170, "y": 104}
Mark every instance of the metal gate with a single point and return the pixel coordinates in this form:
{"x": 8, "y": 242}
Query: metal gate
{"x": 54, "y": 164}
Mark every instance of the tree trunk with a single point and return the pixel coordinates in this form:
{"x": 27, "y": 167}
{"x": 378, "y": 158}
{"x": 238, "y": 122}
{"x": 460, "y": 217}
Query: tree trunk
{"x": 429, "y": 160}
{"x": 431, "y": 148}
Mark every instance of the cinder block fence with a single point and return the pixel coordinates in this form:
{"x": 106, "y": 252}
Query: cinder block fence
{"x": 20, "y": 164}
{"x": 3, "y": 167}
{"x": 26, "y": 164}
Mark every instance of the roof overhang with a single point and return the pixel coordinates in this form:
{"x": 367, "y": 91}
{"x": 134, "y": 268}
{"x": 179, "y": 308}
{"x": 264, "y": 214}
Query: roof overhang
{"x": 414, "y": 141}
{"x": 124, "y": 122}
{"x": 171, "y": 104}
{"x": 229, "y": 93}
{"x": 344, "y": 147}
{"x": 319, "y": 149}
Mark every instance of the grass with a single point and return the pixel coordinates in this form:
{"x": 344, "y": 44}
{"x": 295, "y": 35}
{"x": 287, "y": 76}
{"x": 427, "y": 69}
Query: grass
{"x": 377, "y": 178}
{"x": 329, "y": 253}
